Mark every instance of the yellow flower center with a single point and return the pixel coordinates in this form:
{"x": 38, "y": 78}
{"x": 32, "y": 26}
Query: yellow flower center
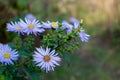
{"x": 6, "y": 55}
{"x": 54, "y": 24}
{"x": 30, "y": 25}
{"x": 46, "y": 58}
{"x": 17, "y": 27}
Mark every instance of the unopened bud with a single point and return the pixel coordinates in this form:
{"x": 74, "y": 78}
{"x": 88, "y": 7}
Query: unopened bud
{"x": 81, "y": 21}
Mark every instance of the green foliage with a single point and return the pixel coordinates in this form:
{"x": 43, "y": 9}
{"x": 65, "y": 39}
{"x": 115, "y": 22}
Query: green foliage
{"x": 61, "y": 41}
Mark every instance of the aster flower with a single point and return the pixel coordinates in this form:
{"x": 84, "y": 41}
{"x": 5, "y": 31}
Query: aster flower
{"x": 14, "y": 27}
{"x": 81, "y": 32}
{"x": 46, "y": 59}
{"x": 1, "y": 46}
{"x": 74, "y": 20}
{"x": 75, "y": 23}
{"x": 68, "y": 27}
{"x": 83, "y": 36}
{"x": 46, "y": 24}
{"x": 49, "y": 24}
{"x": 30, "y": 17}
{"x": 7, "y": 55}
{"x": 54, "y": 24}
{"x": 31, "y": 26}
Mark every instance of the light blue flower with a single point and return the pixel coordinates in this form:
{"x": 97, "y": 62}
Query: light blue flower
{"x": 68, "y": 27}
{"x": 49, "y": 24}
{"x": 31, "y": 26}
{"x": 76, "y": 25}
{"x": 14, "y": 27}
{"x": 54, "y": 24}
{"x": 83, "y": 36}
{"x": 81, "y": 32}
{"x": 7, "y": 55}
{"x": 1, "y": 46}
{"x": 46, "y": 59}
{"x": 46, "y": 24}
{"x": 74, "y": 21}
{"x": 30, "y": 17}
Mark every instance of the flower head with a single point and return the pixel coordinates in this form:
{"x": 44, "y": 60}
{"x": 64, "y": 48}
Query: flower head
{"x": 81, "y": 32}
{"x": 7, "y": 55}
{"x": 68, "y": 27}
{"x": 30, "y": 17}
{"x": 54, "y": 24}
{"x": 83, "y": 36}
{"x": 31, "y": 26}
{"x": 46, "y": 59}
{"x": 74, "y": 20}
{"x": 49, "y": 24}
{"x": 1, "y": 47}
{"x": 15, "y": 27}
{"x": 76, "y": 23}
{"x": 46, "y": 24}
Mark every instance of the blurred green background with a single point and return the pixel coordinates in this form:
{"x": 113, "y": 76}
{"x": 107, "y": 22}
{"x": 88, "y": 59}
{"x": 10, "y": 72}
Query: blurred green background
{"x": 99, "y": 59}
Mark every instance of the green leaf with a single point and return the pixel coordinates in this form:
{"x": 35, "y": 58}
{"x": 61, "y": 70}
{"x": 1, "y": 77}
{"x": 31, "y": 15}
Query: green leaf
{"x": 24, "y": 54}
{"x": 66, "y": 58}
